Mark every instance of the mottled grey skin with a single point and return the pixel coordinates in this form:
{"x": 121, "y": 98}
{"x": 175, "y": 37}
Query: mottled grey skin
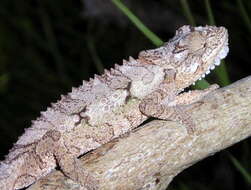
{"x": 113, "y": 104}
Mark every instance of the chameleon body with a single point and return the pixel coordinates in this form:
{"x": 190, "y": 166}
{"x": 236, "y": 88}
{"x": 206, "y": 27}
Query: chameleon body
{"x": 114, "y": 103}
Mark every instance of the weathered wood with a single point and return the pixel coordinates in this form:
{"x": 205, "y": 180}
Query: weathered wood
{"x": 150, "y": 157}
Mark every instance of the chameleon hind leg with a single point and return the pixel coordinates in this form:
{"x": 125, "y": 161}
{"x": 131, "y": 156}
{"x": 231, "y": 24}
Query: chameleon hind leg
{"x": 67, "y": 160}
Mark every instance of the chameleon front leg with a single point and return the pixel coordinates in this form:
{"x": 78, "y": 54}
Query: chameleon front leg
{"x": 165, "y": 104}
{"x": 67, "y": 160}
{"x": 193, "y": 96}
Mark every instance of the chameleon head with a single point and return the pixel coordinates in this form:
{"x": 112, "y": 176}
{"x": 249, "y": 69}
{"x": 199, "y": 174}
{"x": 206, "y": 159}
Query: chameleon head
{"x": 191, "y": 53}
{"x": 197, "y": 50}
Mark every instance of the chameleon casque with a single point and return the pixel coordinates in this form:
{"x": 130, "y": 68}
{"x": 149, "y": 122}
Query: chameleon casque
{"x": 114, "y": 103}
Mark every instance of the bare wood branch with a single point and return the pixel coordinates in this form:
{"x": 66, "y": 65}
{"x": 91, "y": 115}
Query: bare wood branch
{"x": 152, "y": 155}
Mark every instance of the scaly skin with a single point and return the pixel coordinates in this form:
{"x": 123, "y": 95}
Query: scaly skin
{"x": 114, "y": 103}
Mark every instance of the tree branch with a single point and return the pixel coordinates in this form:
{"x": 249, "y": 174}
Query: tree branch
{"x": 149, "y": 157}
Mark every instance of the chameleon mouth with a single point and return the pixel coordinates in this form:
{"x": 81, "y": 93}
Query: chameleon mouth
{"x": 217, "y": 61}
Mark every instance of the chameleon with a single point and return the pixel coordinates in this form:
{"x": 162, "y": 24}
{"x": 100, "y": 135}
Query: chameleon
{"x": 114, "y": 103}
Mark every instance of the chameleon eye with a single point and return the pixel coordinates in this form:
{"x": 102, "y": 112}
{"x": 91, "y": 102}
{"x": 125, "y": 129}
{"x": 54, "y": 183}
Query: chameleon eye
{"x": 195, "y": 42}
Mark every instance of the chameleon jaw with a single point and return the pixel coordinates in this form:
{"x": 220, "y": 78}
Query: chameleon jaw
{"x": 217, "y": 61}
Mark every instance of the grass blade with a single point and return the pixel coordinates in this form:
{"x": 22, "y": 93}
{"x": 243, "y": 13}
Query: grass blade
{"x": 201, "y": 84}
{"x": 135, "y": 20}
{"x": 222, "y": 75}
{"x": 209, "y": 12}
{"x": 241, "y": 169}
{"x": 187, "y": 12}
{"x": 96, "y": 60}
{"x": 244, "y": 15}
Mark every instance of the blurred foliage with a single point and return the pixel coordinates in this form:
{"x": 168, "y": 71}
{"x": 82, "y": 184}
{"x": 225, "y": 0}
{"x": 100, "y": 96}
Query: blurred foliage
{"x": 246, "y": 175}
{"x": 46, "y": 47}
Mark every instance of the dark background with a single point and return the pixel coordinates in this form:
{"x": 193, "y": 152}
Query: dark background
{"x": 46, "y": 47}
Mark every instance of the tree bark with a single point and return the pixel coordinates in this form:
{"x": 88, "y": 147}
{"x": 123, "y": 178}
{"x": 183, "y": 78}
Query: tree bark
{"x": 152, "y": 155}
